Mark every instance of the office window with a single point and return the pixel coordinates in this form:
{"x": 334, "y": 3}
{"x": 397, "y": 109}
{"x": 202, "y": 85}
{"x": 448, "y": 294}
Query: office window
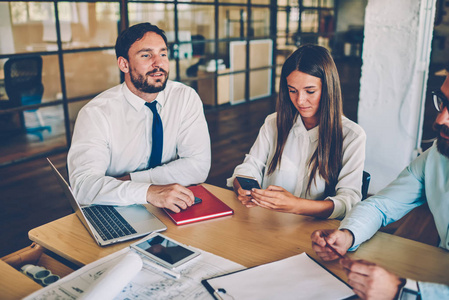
{"x": 200, "y": 45}
{"x": 200, "y": 64}
{"x": 233, "y": 1}
{"x": 309, "y": 21}
{"x": 90, "y": 73}
{"x": 318, "y": 3}
{"x": 198, "y": 20}
{"x": 260, "y": 22}
{"x": 159, "y": 14}
{"x": 96, "y": 27}
{"x": 232, "y": 22}
{"x": 264, "y": 2}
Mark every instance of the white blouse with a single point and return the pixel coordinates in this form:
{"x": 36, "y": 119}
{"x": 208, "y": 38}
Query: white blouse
{"x": 293, "y": 173}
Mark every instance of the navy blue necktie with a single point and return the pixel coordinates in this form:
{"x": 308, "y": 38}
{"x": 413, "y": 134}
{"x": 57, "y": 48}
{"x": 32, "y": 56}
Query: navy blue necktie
{"x": 158, "y": 137}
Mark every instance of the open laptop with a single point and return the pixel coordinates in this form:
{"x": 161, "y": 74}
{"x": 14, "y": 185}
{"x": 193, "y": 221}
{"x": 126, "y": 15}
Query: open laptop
{"x": 112, "y": 224}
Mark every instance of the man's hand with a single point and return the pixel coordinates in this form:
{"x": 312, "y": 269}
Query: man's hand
{"x": 172, "y": 196}
{"x": 277, "y": 198}
{"x": 340, "y": 240}
{"x": 244, "y": 196}
{"x": 369, "y": 281}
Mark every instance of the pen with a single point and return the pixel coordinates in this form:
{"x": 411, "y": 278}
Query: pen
{"x": 333, "y": 250}
{"x": 164, "y": 270}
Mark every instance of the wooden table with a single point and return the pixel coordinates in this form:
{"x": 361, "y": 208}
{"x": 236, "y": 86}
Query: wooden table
{"x": 252, "y": 237}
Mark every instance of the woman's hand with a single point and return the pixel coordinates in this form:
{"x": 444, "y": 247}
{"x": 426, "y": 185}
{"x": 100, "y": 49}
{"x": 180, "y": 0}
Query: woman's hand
{"x": 276, "y": 198}
{"x": 244, "y": 196}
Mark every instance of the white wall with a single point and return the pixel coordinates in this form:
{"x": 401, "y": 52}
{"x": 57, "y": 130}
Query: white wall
{"x": 394, "y": 74}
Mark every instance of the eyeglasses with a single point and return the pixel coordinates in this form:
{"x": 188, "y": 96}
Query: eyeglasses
{"x": 440, "y": 100}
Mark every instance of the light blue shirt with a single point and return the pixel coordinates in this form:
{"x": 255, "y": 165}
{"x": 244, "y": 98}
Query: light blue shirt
{"x": 426, "y": 179}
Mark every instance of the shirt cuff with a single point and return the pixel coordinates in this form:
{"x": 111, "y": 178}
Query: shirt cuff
{"x": 339, "y": 209}
{"x": 140, "y": 193}
{"x": 230, "y": 182}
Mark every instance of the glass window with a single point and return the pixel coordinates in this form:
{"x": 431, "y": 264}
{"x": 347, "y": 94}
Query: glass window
{"x": 50, "y": 81}
{"x": 232, "y": 22}
{"x": 23, "y": 25}
{"x": 51, "y": 78}
{"x": 159, "y": 14}
{"x": 197, "y": 19}
{"x": 309, "y": 3}
{"x": 90, "y": 73}
{"x": 201, "y": 64}
{"x": 309, "y": 20}
{"x": 91, "y": 25}
{"x": 233, "y": 1}
{"x": 263, "y": 2}
{"x": 260, "y": 22}
{"x": 287, "y": 27}
{"x": 31, "y": 132}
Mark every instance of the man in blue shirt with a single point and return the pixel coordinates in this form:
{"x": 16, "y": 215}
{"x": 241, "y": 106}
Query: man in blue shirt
{"x": 426, "y": 179}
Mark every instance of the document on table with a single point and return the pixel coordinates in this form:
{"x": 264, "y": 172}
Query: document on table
{"x": 296, "y": 277}
{"x": 125, "y": 275}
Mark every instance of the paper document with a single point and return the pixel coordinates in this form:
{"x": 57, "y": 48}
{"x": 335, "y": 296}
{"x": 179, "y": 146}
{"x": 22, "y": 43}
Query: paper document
{"x": 125, "y": 275}
{"x": 296, "y": 277}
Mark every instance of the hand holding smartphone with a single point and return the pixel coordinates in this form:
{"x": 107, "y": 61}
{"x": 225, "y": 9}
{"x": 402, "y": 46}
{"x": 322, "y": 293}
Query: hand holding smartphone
{"x": 248, "y": 183}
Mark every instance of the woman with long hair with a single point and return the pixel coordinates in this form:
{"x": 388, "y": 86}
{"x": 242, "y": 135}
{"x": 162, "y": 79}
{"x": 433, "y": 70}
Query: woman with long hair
{"x": 307, "y": 150}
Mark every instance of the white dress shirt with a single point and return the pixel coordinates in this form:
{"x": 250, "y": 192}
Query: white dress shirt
{"x": 293, "y": 173}
{"x": 112, "y": 137}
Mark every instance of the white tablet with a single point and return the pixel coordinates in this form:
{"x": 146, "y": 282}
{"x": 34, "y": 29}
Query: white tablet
{"x": 165, "y": 251}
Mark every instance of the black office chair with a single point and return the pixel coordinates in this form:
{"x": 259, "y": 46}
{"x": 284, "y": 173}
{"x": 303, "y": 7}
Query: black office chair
{"x": 365, "y": 184}
{"x": 23, "y": 85}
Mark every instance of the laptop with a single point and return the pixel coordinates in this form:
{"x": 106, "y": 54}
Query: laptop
{"x": 112, "y": 224}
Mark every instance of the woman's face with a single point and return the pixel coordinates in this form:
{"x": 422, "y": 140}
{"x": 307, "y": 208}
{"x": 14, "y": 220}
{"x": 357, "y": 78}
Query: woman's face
{"x": 305, "y": 94}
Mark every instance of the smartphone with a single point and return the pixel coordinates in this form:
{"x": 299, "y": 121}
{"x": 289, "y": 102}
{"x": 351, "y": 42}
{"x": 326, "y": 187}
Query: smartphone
{"x": 197, "y": 201}
{"x": 248, "y": 183}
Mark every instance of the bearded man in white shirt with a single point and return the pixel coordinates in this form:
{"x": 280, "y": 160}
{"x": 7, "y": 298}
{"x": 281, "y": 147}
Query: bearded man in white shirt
{"x": 116, "y": 158}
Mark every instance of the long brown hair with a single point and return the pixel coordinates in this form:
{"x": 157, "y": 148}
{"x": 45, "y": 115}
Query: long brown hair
{"x": 327, "y": 158}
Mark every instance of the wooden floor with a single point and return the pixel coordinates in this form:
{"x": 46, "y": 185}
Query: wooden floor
{"x": 30, "y": 195}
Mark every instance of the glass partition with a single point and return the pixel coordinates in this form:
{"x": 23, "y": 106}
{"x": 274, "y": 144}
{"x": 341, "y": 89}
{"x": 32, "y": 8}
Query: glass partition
{"x": 90, "y": 73}
{"x": 232, "y": 22}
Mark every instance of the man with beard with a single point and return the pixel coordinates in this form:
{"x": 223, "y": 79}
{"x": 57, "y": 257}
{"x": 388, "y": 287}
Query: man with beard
{"x": 145, "y": 139}
{"x": 426, "y": 179}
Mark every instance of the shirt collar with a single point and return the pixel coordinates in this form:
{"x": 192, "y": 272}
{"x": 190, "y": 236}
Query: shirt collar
{"x": 137, "y": 102}
{"x": 299, "y": 129}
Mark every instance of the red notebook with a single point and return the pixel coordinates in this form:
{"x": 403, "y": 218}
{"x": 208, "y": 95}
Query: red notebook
{"x": 210, "y": 208}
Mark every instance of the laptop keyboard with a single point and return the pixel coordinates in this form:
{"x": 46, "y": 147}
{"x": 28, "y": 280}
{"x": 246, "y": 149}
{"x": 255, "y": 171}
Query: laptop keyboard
{"x": 107, "y": 221}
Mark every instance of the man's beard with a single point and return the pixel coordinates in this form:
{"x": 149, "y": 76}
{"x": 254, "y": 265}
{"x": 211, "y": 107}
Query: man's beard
{"x": 141, "y": 83}
{"x": 442, "y": 143}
